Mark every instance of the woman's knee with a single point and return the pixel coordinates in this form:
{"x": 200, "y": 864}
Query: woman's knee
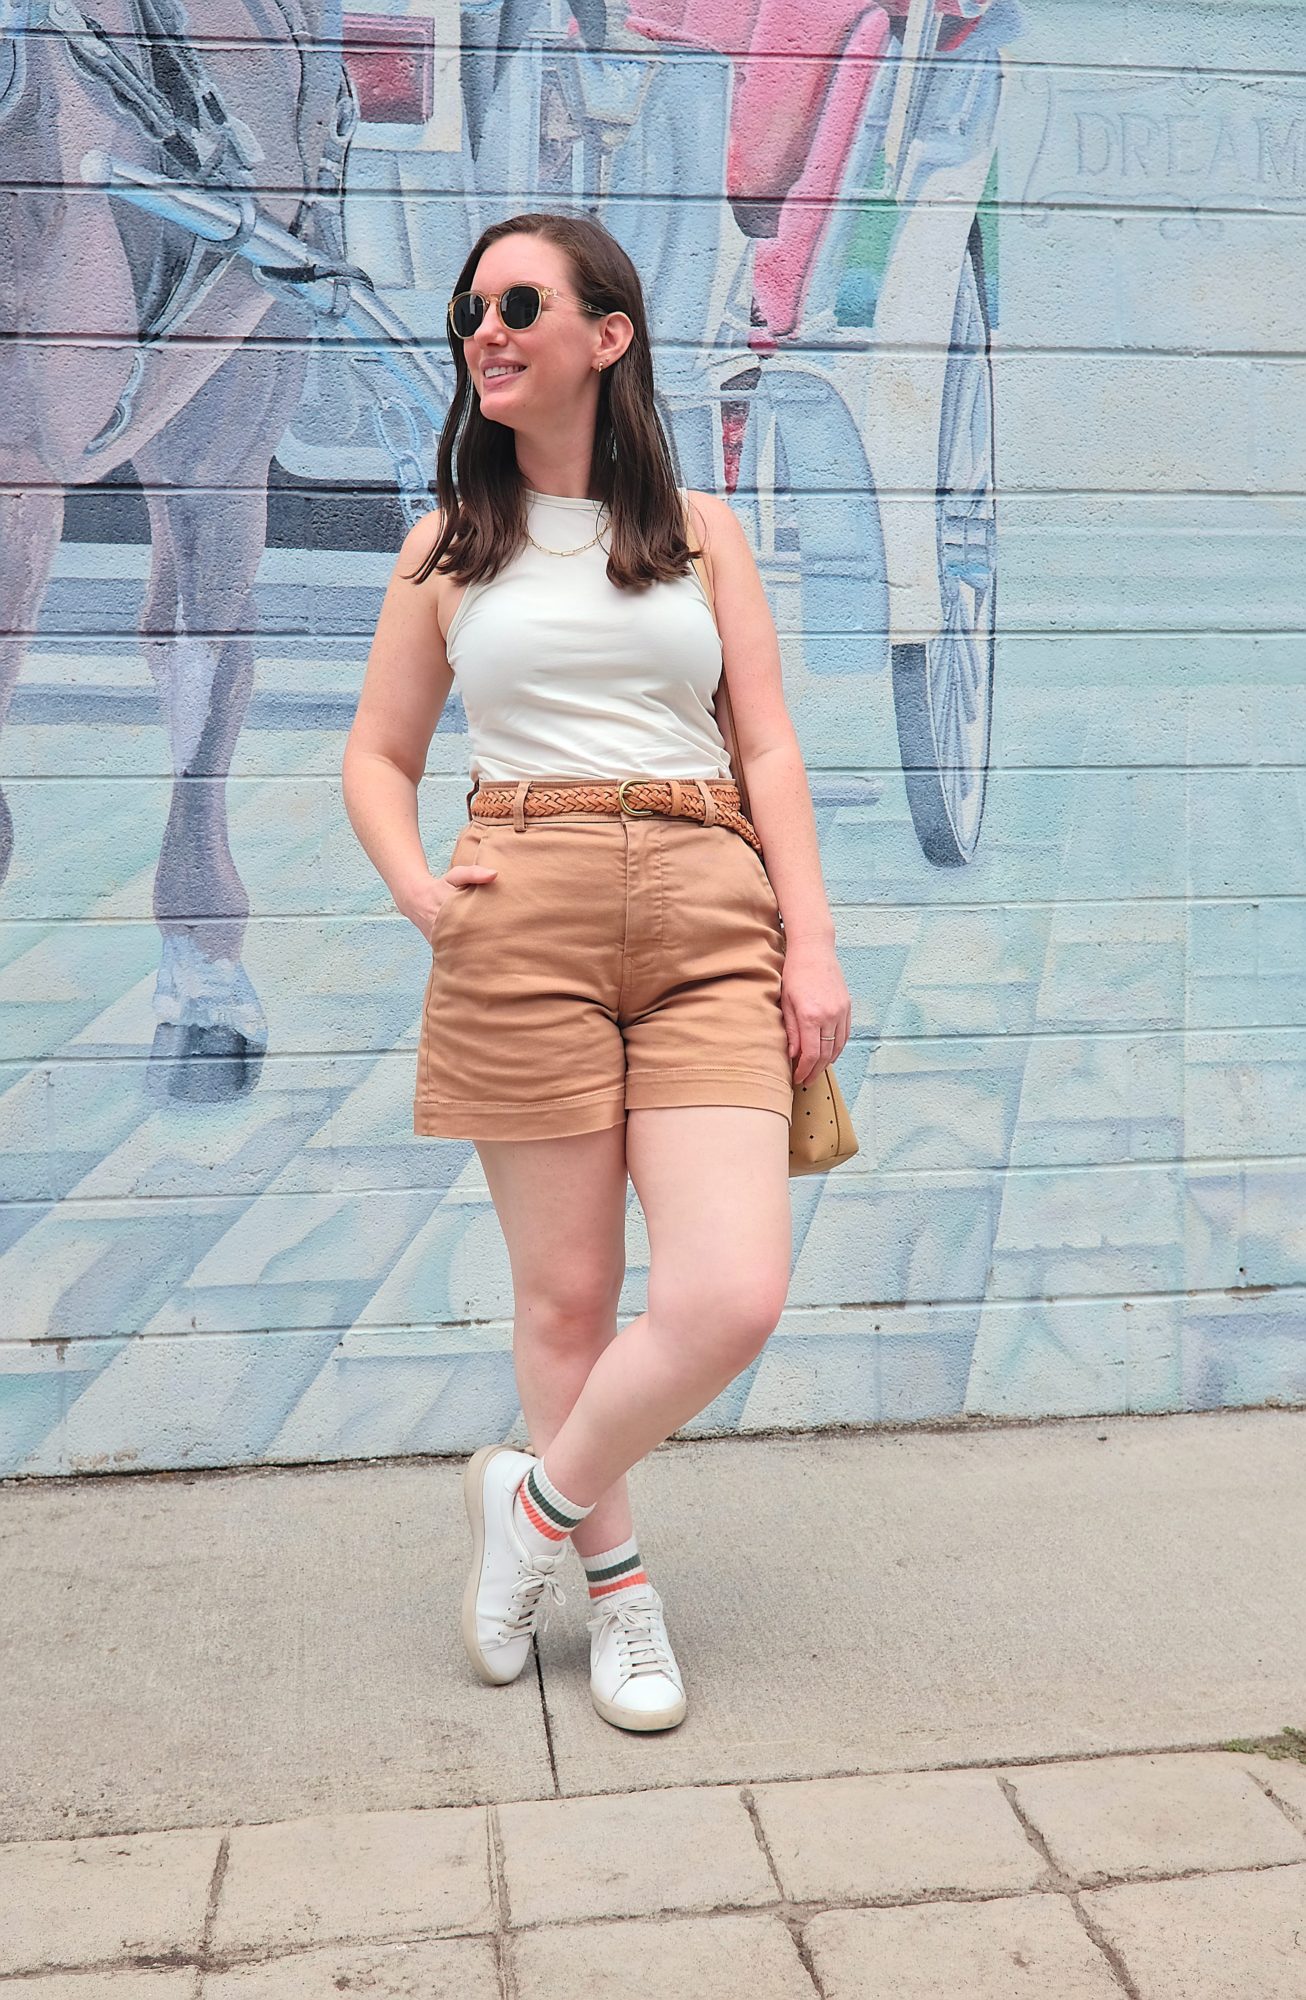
{"x": 730, "y": 1317}
{"x": 575, "y": 1312}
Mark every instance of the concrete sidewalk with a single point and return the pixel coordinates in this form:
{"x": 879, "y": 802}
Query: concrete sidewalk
{"x": 244, "y": 1754}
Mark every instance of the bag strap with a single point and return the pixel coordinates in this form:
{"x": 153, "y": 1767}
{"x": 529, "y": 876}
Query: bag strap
{"x": 724, "y": 713}
{"x": 706, "y": 582}
{"x": 697, "y": 560}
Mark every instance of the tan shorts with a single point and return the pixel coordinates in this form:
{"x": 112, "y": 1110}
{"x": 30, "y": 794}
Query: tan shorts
{"x": 611, "y": 964}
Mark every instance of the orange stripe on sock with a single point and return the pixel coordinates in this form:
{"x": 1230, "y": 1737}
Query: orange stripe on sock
{"x": 621, "y": 1583}
{"x": 537, "y": 1520}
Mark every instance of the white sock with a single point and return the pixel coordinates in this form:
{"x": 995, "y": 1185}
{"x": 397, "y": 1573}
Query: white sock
{"x": 543, "y": 1516}
{"x": 615, "y": 1573}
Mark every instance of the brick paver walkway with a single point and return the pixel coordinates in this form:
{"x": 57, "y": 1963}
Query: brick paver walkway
{"x": 1178, "y": 1875}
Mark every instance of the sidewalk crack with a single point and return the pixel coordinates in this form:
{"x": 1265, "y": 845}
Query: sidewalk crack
{"x": 1059, "y": 1879}
{"x": 1295, "y": 1818}
{"x": 792, "y": 1919}
{"x": 1068, "y": 1886}
{"x": 1098, "y": 1937}
{"x": 219, "y": 1876}
{"x": 544, "y": 1713}
{"x": 503, "y": 1964}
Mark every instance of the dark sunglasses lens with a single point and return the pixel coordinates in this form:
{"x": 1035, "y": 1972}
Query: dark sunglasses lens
{"x": 519, "y": 307}
{"x": 466, "y": 314}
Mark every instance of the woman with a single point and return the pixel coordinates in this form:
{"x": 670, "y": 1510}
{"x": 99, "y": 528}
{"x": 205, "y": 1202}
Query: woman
{"x": 612, "y": 989}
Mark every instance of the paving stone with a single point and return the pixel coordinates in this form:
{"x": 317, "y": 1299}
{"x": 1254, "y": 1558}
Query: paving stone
{"x": 1160, "y": 1815}
{"x": 452, "y": 1969}
{"x": 713, "y": 1958}
{"x": 133, "y": 1985}
{"x": 1011, "y": 1946}
{"x": 631, "y": 1855}
{"x": 1240, "y": 1936}
{"x": 85, "y": 1902}
{"x": 854, "y": 1839}
{"x": 361, "y": 1876}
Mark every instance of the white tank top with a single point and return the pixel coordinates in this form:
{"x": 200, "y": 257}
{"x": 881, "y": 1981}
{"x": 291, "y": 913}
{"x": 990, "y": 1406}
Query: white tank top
{"x": 560, "y": 672}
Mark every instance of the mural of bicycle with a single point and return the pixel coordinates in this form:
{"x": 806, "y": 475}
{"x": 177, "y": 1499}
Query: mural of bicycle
{"x": 824, "y": 332}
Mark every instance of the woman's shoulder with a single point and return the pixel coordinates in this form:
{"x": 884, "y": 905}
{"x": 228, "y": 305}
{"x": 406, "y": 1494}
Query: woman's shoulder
{"x": 709, "y": 511}
{"x": 413, "y": 563}
{"x": 715, "y": 523}
{"x": 421, "y": 539}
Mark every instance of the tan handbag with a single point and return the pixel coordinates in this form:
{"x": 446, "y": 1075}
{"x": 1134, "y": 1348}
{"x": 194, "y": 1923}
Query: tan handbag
{"x": 821, "y": 1132}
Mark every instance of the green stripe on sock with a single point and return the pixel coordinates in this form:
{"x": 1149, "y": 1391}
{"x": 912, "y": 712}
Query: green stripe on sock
{"x": 613, "y": 1569}
{"x": 547, "y": 1507}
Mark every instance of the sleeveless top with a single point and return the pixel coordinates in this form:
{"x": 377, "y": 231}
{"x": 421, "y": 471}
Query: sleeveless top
{"x": 562, "y": 673}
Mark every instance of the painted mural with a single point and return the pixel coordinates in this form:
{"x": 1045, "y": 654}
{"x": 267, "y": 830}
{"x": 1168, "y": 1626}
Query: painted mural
{"x": 985, "y": 316}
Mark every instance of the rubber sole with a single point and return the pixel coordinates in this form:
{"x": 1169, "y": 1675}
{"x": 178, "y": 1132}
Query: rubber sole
{"x": 474, "y": 1500}
{"x": 623, "y": 1718}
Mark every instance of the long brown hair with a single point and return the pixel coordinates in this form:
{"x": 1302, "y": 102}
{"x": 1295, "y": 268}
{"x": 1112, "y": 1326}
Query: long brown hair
{"x": 479, "y": 487}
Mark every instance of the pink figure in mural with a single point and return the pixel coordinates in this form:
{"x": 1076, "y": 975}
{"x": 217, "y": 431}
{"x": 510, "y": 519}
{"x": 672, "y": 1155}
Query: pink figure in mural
{"x": 838, "y": 109}
{"x": 802, "y": 78}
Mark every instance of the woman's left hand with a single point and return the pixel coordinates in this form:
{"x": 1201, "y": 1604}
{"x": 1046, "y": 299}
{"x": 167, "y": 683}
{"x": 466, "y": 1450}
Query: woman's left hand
{"x": 817, "y": 1007}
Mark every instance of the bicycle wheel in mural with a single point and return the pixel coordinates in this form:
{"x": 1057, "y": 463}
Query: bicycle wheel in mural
{"x": 943, "y": 688}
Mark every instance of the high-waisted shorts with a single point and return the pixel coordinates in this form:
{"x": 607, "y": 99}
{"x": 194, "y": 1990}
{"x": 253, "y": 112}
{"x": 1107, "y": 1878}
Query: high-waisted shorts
{"x": 612, "y": 963}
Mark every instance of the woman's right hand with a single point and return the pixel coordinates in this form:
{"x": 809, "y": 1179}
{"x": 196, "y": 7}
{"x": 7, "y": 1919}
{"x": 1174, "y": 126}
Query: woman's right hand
{"x": 439, "y": 890}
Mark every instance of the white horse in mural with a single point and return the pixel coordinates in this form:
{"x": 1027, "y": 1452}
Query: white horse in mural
{"x": 94, "y": 288}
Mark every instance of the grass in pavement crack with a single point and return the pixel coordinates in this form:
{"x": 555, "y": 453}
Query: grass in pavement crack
{"x": 1289, "y": 1742}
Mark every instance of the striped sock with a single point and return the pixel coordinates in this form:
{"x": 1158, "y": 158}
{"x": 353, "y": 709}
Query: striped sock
{"x": 615, "y": 1570}
{"x": 543, "y": 1516}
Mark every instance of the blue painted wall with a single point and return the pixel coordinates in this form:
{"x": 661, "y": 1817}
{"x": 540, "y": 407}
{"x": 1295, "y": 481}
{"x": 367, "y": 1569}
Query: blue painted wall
{"x": 1002, "y": 372}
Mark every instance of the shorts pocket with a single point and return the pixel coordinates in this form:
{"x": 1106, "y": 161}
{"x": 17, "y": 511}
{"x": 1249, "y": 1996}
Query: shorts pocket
{"x": 754, "y": 867}
{"x": 465, "y": 849}
{"x": 769, "y": 909}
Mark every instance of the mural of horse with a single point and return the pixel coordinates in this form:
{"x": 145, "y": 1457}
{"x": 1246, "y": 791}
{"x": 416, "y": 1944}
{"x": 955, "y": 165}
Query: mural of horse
{"x": 138, "y": 342}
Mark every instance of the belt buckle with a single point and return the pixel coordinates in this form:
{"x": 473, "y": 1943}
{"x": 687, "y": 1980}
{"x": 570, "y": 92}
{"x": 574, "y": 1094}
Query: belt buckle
{"x": 633, "y": 812}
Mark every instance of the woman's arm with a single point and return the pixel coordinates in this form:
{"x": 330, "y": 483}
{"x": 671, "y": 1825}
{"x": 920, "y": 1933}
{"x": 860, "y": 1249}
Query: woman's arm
{"x": 405, "y": 687}
{"x": 817, "y": 1002}
{"x": 767, "y": 743}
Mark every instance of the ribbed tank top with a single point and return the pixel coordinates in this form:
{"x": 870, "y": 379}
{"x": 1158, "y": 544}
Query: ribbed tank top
{"x": 562, "y": 672}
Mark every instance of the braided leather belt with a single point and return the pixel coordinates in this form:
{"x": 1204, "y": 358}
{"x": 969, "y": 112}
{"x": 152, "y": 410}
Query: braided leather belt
{"x": 713, "y": 801}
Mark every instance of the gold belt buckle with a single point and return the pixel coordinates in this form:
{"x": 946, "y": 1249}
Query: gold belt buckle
{"x": 633, "y": 812}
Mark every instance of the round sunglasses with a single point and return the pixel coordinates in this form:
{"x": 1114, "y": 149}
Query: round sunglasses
{"x": 519, "y": 307}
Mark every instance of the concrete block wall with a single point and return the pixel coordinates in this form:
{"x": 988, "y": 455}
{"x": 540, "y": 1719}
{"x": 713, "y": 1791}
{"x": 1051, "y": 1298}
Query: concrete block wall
{"x": 988, "y": 321}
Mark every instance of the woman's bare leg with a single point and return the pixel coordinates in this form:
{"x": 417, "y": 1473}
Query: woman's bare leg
{"x": 713, "y": 1181}
{"x": 561, "y": 1204}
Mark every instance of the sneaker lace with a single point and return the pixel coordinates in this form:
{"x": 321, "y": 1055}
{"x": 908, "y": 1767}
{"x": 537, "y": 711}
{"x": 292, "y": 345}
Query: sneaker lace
{"x": 531, "y": 1599}
{"x": 640, "y": 1638}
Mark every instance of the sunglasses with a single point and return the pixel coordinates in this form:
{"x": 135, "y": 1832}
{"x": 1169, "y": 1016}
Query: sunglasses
{"x": 519, "y": 307}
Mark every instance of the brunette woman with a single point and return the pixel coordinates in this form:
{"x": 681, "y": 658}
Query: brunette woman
{"x": 620, "y": 984}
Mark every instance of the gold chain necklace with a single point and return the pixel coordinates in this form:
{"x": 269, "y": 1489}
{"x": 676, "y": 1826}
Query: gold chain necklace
{"x": 563, "y": 552}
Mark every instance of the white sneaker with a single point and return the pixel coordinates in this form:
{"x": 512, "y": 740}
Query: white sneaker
{"x": 634, "y": 1679}
{"x": 511, "y": 1589}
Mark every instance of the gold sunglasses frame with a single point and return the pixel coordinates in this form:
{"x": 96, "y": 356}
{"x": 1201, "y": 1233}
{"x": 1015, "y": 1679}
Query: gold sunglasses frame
{"x": 518, "y": 285}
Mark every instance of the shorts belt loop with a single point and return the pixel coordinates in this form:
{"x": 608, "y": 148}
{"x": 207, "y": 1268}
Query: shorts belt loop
{"x": 476, "y": 786}
{"x": 709, "y": 802}
{"x": 677, "y": 797}
{"x": 519, "y": 805}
